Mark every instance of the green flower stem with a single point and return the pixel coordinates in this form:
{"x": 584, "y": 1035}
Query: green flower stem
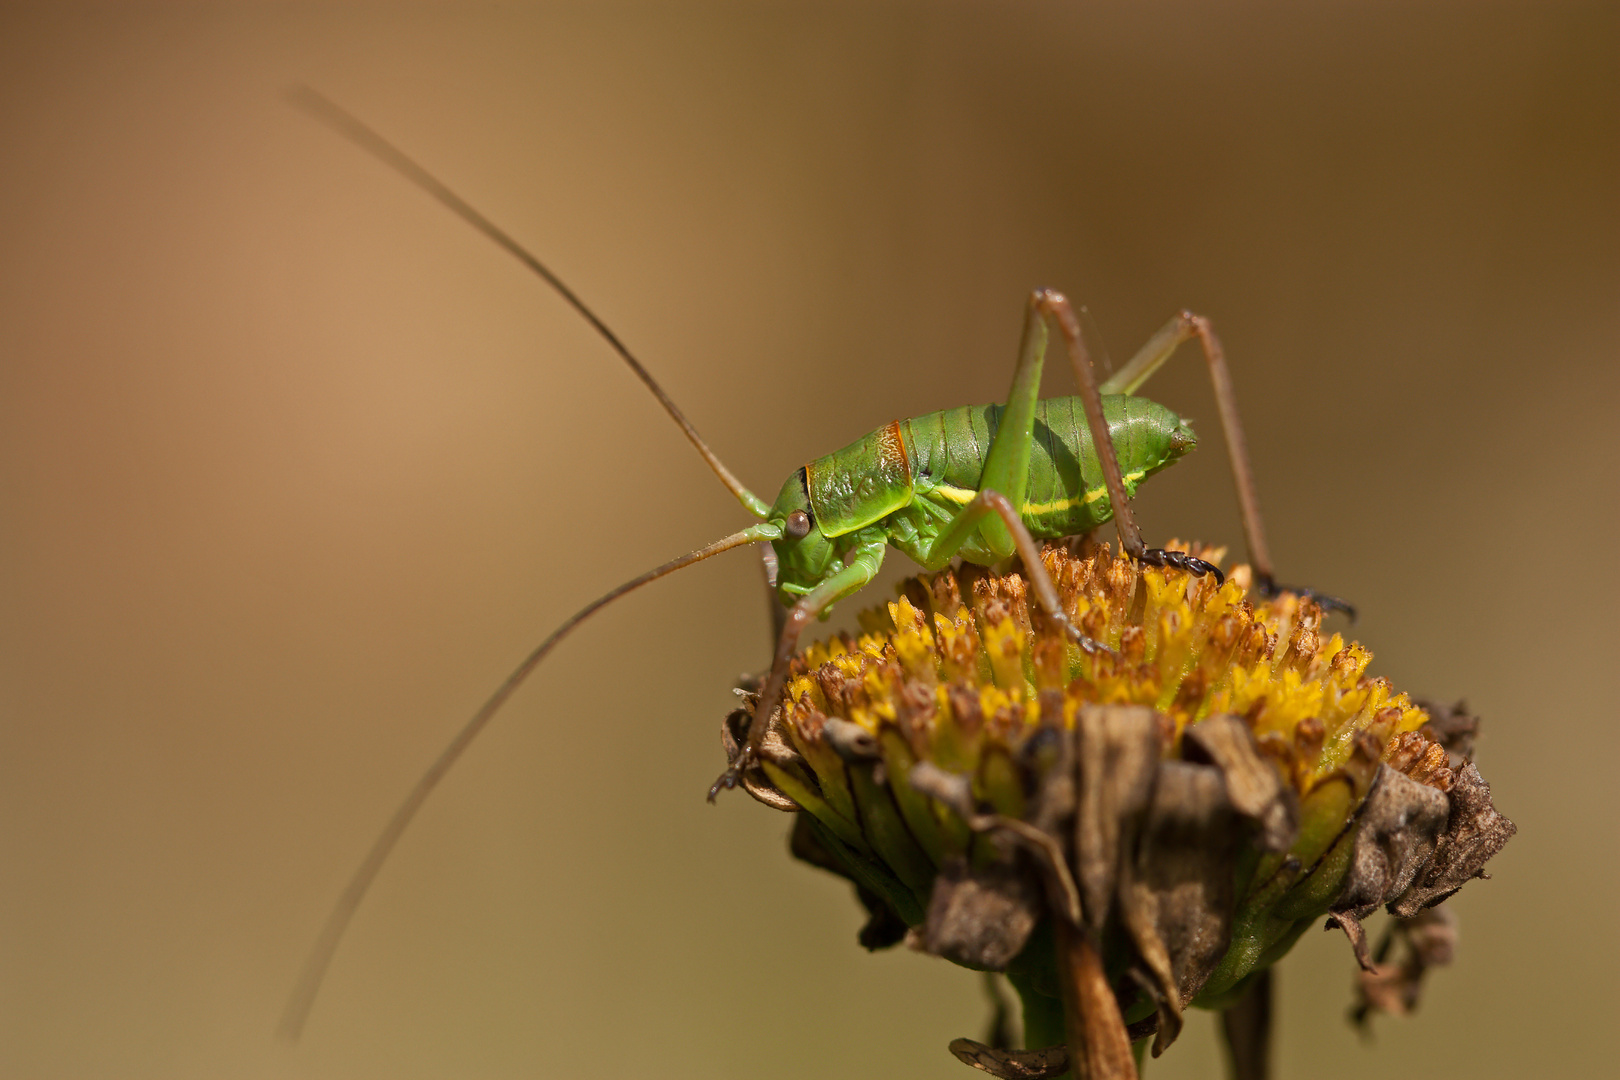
{"x": 1139, "y": 1051}
{"x": 1043, "y": 1015}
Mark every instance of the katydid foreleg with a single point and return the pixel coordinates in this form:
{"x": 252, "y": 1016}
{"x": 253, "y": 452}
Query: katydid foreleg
{"x": 865, "y": 560}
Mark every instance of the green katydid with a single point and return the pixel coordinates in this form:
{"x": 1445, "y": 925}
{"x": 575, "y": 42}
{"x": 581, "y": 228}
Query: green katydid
{"x": 980, "y": 483}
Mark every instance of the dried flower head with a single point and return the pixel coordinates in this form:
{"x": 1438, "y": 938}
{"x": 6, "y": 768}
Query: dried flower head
{"x": 1128, "y": 832}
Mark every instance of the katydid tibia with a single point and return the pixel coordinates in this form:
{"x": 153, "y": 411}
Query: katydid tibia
{"x": 980, "y": 483}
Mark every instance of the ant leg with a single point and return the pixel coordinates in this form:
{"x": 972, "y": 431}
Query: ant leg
{"x": 861, "y": 569}
{"x": 1057, "y": 306}
{"x": 1184, "y": 327}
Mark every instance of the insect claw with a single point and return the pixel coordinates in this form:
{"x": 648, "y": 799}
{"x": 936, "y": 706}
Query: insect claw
{"x": 1330, "y": 603}
{"x": 724, "y": 783}
{"x": 1180, "y": 560}
{"x": 1089, "y": 646}
{"x": 1200, "y": 568}
{"x": 733, "y": 774}
{"x": 1268, "y": 587}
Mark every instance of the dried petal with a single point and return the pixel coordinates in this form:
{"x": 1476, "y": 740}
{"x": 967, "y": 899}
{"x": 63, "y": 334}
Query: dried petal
{"x": 1091, "y": 1018}
{"x": 1118, "y": 751}
{"x": 1176, "y": 898}
{"x": 1429, "y": 940}
{"x": 1357, "y": 934}
{"x": 733, "y": 730}
{"x": 981, "y": 918}
{"x": 1254, "y": 788}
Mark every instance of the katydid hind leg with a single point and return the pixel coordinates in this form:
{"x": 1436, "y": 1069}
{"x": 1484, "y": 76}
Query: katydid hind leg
{"x": 1150, "y": 357}
{"x": 1184, "y": 326}
{"x": 1006, "y": 463}
{"x": 1057, "y": 307}
{"x": 1237, "y": 449}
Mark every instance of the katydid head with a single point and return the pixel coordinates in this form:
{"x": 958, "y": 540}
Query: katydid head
{"x": 804, "y": 555}
{"x": 1157, "y": 436}
{"x": 1182, "y": 439}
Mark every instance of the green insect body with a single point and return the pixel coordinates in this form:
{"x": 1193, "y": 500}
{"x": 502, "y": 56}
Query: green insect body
{"x": 907, "y": 481}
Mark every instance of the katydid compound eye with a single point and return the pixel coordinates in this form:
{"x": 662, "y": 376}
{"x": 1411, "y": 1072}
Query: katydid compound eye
{"x": 798, "y": 525}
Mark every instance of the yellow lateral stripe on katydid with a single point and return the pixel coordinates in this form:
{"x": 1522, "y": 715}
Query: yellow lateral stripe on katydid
{"x": 1082, "y": 498}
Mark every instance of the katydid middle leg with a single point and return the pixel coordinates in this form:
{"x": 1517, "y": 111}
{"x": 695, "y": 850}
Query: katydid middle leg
{"x": 1183, "y": 327}
{"x": 975, "y": 515}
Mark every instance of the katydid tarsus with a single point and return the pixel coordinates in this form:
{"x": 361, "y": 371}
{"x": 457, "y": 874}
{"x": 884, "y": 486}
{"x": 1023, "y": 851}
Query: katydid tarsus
{"x": 980, "y": 483}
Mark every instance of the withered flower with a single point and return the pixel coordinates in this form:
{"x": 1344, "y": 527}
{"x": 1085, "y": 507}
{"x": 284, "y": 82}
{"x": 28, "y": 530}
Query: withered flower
{"x": 1128, "y": 833}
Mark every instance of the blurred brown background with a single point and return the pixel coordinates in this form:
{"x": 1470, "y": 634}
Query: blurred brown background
{"x": 295, "y": 466}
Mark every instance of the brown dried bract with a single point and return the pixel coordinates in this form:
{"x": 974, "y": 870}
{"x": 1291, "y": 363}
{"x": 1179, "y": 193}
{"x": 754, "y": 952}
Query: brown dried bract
{"x": 1395, "y": 841}
{"x": 981, "y": 918}
{"x": 1427, "y": 940}
{"x": 1474, "y": 832}
{"x": 1176, "y": 899}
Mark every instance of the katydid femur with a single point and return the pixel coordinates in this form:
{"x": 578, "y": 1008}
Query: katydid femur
{"x": 981, "y": 483}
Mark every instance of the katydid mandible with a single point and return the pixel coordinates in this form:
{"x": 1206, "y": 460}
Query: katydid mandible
{"x": 981, "y": 483}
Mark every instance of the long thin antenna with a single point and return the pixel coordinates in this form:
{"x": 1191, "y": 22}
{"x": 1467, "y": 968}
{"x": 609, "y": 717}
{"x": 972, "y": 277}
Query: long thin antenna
{"x": 320, "y": 957}
{"x": 346, "y": 124}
